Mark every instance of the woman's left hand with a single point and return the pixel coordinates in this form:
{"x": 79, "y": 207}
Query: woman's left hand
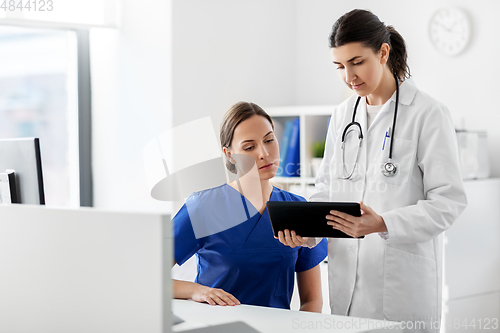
{"x": 369, "y": 222}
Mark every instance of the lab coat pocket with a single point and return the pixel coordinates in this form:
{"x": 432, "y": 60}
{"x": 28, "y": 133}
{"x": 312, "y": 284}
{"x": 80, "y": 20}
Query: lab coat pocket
{"x": 286, "y": 277}
{"x": 410, "y": 286}
{"x": 404, "y": 153}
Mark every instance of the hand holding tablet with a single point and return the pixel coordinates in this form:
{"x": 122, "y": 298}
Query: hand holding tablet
{"x": 309, "y": 219}
{"x": 290, "y": 238}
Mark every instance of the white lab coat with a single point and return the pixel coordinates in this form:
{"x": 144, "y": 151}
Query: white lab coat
{"x": 394, "y": 276}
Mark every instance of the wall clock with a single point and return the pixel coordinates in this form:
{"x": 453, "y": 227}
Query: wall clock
{"x": 450, "y": 30}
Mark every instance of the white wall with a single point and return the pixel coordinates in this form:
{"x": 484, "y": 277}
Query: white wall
{"x": 131, "y": 101}
{"x": 225, "y": 51}
{"x": 276, "y": 53}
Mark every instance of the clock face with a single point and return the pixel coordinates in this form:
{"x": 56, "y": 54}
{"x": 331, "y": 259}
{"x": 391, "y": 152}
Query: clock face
{"x": 450, "y": 30}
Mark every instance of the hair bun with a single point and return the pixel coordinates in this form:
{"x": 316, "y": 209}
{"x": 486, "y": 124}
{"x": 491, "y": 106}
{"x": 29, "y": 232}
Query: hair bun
{"x": 363, "y": 26}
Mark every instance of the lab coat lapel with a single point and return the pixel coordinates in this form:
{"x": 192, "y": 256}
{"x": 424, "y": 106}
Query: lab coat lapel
{"x": 407, "y": 92}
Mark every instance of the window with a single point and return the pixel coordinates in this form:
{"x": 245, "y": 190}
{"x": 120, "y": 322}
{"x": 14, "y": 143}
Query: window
{"x": 39, "y": 98}
{"x": 45, "y": 86}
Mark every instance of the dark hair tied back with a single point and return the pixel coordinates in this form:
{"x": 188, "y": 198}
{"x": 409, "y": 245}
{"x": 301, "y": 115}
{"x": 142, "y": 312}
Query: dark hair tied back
{"x": 365, "y": 27}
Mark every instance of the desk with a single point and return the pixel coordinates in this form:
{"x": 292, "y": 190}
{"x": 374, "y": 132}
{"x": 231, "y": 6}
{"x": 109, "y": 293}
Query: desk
{"x": 269, "y": 320}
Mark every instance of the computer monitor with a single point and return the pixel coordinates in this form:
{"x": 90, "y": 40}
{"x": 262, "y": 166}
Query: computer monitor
{"x": 21, "y": 179}
{"x": 84, "y": 270}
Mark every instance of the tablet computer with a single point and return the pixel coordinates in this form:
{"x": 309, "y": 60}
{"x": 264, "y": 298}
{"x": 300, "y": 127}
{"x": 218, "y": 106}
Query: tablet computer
{"x": 308, "y": 219}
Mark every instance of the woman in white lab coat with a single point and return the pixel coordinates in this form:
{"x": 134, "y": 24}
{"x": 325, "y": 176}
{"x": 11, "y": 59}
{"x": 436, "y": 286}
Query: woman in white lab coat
{"x": 395, "y": 271}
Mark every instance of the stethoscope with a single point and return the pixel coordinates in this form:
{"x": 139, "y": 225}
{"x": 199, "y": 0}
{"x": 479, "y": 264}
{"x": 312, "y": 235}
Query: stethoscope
{"x": 389, "y": 169}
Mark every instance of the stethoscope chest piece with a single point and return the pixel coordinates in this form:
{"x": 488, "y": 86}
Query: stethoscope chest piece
{"x": 389, "y": 169}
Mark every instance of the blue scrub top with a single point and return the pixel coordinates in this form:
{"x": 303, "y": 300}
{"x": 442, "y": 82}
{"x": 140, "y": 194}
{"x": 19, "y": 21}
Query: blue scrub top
{"x": 243, "y": 259}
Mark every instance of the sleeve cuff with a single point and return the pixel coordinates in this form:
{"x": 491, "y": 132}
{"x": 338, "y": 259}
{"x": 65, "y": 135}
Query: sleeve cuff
{"x": 391, "y": 232}
{"x": 384, "y": 235}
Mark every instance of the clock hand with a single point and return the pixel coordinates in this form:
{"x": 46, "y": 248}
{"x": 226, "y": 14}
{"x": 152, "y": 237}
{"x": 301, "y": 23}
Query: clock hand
{"x": 446, "y": 28}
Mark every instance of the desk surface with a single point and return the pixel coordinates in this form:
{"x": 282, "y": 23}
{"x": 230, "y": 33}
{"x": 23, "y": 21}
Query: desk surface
{"x": 270, "y": 320}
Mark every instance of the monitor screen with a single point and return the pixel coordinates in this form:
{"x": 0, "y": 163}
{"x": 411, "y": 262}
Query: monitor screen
{"x": 21, "y": 179}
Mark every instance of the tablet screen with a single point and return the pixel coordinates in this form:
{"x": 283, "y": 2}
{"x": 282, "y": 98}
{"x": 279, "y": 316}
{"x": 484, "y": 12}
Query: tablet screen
{"x": 308, "y": 219}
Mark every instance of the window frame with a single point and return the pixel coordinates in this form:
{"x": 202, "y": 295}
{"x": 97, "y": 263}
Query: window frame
{"x": 84, "y": 118}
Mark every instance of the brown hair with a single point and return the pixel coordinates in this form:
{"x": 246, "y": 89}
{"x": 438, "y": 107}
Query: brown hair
{"x": 363, "y": 26}
{"x": 238, "y": 113}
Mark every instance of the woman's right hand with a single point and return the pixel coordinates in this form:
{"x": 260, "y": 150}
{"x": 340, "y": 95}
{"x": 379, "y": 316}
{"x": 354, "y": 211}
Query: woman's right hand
{"x": 290, "y": 238}
{"x": 213, "y": 296}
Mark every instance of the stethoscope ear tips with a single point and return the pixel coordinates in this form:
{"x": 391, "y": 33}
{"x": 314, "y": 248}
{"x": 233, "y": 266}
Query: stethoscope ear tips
{"x": 389, "y": 169}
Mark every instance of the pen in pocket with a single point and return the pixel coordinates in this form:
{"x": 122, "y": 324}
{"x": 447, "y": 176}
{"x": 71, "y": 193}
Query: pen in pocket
{"x": 387, "y": 135}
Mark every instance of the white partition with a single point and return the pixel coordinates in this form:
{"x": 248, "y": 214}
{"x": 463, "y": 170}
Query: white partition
{"x": 84, "y": 270}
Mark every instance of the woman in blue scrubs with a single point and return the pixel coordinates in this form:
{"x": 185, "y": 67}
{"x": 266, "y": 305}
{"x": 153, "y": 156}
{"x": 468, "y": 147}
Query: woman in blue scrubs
{"x": 228, "y": 227}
